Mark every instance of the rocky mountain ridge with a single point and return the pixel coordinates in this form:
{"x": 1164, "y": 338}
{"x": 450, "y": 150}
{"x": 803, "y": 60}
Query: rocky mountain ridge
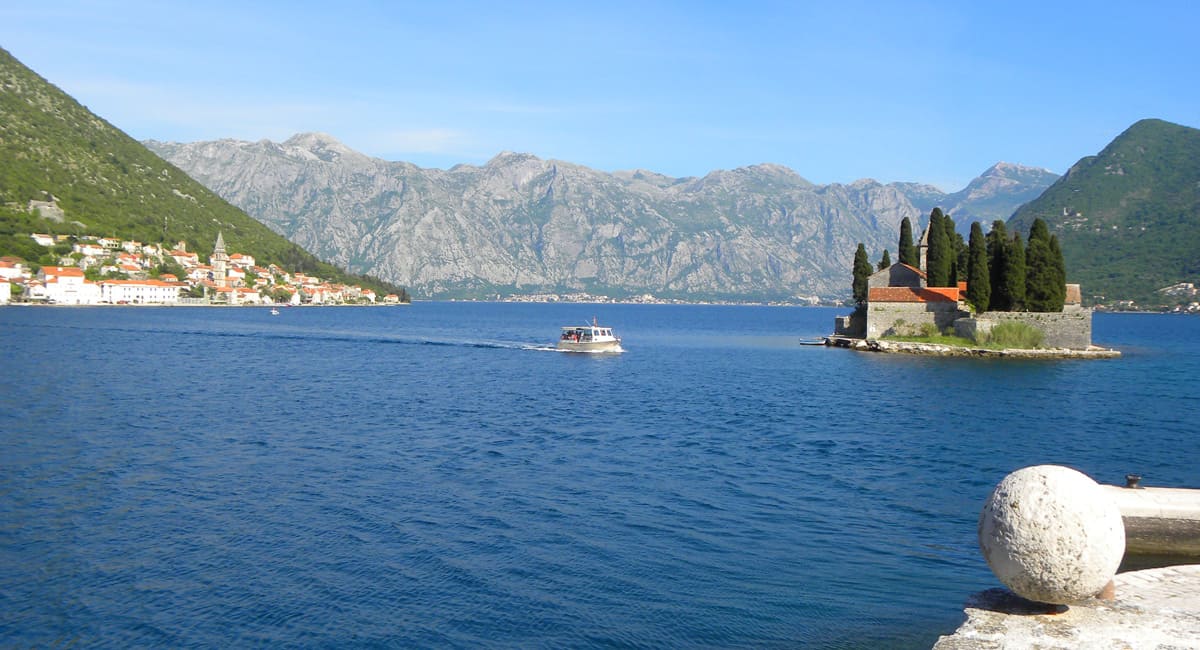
{"x": 519, "y": 224}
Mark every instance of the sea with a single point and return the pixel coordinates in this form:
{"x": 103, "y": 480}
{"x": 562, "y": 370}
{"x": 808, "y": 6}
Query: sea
{"x": 438, "y": 476}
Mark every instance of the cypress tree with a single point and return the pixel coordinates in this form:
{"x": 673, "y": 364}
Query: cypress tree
{"x": 1014, "y": 273}
{"x": 906, "y": 251}
{"x": 885, "y": 261}
{"x": 1060, "y": 272}
{"x": 979, "y": 282}
{"x": 997, "y": 253}
{"x": 963, "y": 262}
{"x": 952, "y": 251}
{"x": 862, "y": 271}
{"x": 938, "y": 255}
{"x": 1040, "y": 275}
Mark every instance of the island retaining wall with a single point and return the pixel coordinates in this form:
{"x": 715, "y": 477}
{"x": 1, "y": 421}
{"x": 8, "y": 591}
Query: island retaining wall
{"x": 1071, "y": 328}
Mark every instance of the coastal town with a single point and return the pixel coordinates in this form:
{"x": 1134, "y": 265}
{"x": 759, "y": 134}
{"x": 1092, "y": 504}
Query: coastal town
{"x": 110, "y": 271}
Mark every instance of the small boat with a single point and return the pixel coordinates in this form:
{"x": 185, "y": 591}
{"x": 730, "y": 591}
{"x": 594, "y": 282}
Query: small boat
{"x": 274, "y": 312}
{"x": 589, "y": 338}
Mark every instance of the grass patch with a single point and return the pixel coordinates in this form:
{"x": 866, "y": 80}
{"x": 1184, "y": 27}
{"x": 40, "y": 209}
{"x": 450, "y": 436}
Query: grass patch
{"x": 1004, "y": 336}
{"x": 1014, "y": 335}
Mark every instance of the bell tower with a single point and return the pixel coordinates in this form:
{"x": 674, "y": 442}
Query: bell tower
{"x": 219, "y": 261}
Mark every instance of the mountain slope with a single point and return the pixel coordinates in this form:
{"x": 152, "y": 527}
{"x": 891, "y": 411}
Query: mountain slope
{"x": 1128, "y": 218}
{"x": 519, "y": 224}
{"x": 996, "y": 194}
{"x": 106, "y": 183}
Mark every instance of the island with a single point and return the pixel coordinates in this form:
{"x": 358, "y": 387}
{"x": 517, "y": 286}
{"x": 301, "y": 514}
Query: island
{"x": 997, "y": 295}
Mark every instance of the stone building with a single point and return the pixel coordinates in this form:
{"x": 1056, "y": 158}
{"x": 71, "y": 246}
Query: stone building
{"x": 900, "y": 304}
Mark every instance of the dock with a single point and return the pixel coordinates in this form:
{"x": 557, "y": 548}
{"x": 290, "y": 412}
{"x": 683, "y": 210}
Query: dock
{"x": 1151, "y": 609}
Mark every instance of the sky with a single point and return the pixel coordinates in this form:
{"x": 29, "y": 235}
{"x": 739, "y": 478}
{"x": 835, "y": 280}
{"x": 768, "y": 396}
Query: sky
{"x": 931, "y": 92}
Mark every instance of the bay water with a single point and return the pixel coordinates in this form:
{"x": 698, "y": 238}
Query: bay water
{"x": 437, "y": 476}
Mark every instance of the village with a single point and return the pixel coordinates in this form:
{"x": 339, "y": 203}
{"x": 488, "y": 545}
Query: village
{"x": 109, "y": 271}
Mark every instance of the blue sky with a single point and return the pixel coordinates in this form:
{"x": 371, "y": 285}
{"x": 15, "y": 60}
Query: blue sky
{"x": 933, "y": 92}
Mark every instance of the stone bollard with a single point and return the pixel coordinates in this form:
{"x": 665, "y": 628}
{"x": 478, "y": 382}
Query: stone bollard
{"x": 1051, "y": 534}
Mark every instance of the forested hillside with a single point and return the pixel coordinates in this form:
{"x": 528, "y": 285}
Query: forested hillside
{"x": 54, "y": 150}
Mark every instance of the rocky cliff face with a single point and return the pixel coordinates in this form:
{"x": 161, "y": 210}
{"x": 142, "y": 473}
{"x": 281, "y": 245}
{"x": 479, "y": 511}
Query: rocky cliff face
{"x": 519, "y": 224}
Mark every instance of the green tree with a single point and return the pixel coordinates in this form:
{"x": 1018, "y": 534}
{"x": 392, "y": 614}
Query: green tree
{"x": 1014, "y": 273}
{"x": 907, "y": 252}
{"x": 884, "y": 261}
{"x": 979, "y": 282}
{"x": 963, "y": 261}
{"x": 1060, "y": 271}
{"x": 862, "y": 271}
{"x": 998, "y": 247}
{"x": 1042, "y": 291}
{"x": 939, "y": 256}
{"x": 956, "y": 251}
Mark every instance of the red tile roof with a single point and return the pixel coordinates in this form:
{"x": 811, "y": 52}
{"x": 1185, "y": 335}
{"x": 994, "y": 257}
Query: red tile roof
{"x": 913, "y": 294}
{"x": 64, "y": 271}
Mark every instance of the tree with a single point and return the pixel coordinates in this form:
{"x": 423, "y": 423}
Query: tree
{"x": 862, "y": 271}
{"x": 979, "y": 282}
{"x": 956, "y": 251}
{"x": 998, "y": 247}
{"x": 907, "y": 252}
{"x": 1060, "y": 271}
{"x": 884, "y": 261}
{"x": 938, "y": 256}
{"x": 1041, "y": 279}
{"x": 962, "y": 262}
{"x": 1014, "y": 273}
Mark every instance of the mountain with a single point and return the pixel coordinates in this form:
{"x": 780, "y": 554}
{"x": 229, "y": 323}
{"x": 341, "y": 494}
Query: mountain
{"x": 1128, "y": 218}
{"x": 97, "y": 180}
{"x": 519, "y": 224}
{"x": 996, "y": 194}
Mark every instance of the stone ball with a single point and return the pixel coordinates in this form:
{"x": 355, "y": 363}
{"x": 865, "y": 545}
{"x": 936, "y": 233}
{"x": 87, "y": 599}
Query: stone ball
{"x": 1051, "y": 535}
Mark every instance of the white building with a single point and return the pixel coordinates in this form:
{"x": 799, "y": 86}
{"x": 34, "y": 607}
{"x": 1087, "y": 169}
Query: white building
{"x": 66, "y": 285}
{"x": 11, "y": 270}
{"x": 139, "y": 292}
{"x": 43, "y": 240}
{"x": 90, "y": 249}
{"x": 5, "y": 291}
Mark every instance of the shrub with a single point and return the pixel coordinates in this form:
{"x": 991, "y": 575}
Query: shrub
{"x": 1014, "y": 334}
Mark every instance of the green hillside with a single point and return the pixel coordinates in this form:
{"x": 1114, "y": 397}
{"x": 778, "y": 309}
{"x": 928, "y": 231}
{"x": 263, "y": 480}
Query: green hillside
{"x": 1128, "y": 218}
{"x": 108, "y": 184}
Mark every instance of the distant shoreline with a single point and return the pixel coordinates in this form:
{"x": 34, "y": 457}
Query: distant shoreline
{"x": 191, "y": 304}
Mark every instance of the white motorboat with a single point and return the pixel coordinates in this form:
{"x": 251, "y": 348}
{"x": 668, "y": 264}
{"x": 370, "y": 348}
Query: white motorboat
{"x": 589, "y": 338}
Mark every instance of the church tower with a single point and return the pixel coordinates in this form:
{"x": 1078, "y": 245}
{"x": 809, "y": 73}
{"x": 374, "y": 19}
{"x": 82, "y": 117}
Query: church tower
{"x": 219, "y": 261}
{"x": 923, "y": 249}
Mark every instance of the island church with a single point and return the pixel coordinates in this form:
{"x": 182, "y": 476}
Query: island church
{"x": 900, "y": 303}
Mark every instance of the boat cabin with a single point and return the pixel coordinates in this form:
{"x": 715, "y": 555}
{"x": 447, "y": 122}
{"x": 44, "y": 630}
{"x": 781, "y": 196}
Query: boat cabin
{"x": 585, "y": 333}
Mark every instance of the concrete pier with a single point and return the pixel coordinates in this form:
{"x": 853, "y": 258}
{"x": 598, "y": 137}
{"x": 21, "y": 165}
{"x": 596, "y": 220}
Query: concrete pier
{"x": 1152, "y": 609}
{"x": 1158, "y": 521}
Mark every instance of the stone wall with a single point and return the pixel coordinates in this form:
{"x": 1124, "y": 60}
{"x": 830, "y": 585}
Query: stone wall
{"x": 907, "y": 318}
{"x": 854, "y": 325}
{"x": 1072, "y": 328}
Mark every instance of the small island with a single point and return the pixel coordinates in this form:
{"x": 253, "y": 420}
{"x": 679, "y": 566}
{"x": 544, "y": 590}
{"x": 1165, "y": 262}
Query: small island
{"x": 994, "y": 296}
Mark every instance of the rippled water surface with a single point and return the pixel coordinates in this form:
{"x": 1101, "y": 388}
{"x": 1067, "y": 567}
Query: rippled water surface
{"x": 435, "y": 476}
